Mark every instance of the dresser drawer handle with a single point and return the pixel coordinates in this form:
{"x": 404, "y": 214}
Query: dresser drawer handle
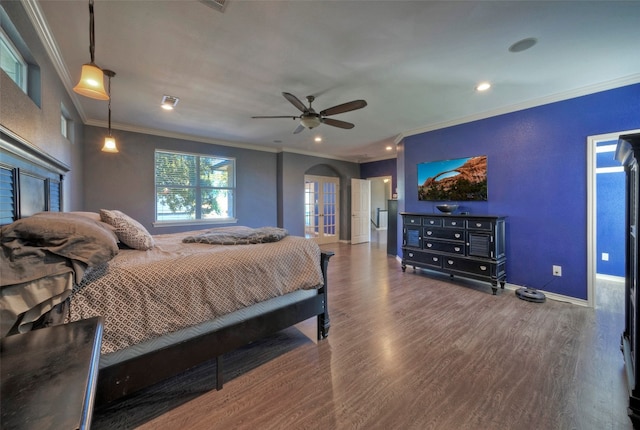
{"x": 457, "y": 249}
{"x": 450, "y": 262}
{"x": 478, "y": 224}
{"x": 457, "y": 235}
{"x": 432, "y": 222}
{"x": 435, "y": 258}
{"x": 429, "y": 245}
{"x": 429, "y": 233}
{"x": 454, "y": 223}
{"x": 411, "y": 254}
{"x": 484, "y": 268}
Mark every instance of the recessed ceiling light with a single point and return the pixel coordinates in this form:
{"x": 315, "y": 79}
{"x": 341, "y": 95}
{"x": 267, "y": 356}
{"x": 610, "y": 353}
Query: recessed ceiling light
{"x": 169, "y": 102}
{"x": 389, "y": 148}
{"x": 483, "y": 86}
{"x": 523, "y": 45}
{"x": 318, "y": 139}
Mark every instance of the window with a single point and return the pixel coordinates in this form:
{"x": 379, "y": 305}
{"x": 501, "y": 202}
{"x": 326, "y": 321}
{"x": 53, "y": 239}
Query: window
{"x": 65, "y": 122}
{"x": 64, "y": 126}
{"x": 194, "y": 188}
{"x": 12, "y": 62}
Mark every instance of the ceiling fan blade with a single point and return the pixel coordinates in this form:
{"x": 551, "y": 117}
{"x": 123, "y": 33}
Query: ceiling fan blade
{"x": 288, "y": 116}
{"x": 295, "y": 101}
{"x": 298, "y": 129}
{"x": 345, "y": 107}
{"x": 337, "y": 123}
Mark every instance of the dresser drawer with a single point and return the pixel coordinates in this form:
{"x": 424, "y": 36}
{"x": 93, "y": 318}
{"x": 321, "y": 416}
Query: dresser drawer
{"x": 432, "y": 221}
{"x": 452, "y": 248}
{"x": 470, "y": 266}
{"x": 479, "y": 224}
{"x": 454, "y": 222}
{"x": 425, "y": 258}
{"x": 444, "y": 233}
{"x": 412, "y": 220}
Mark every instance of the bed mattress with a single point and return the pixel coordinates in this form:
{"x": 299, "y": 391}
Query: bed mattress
{"x": 143, "y": 295}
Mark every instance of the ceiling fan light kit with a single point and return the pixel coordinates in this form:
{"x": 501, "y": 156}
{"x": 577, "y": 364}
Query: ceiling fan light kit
{"x": 311, "y": 119}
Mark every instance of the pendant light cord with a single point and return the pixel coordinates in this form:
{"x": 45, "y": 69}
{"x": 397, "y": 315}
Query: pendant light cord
{"x": 92, "y": 38}
{"x": 109, "y": 105}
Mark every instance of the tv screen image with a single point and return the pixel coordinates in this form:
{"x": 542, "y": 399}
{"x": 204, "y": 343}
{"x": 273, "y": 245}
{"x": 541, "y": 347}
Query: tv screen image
{"x": 460, "y": 179}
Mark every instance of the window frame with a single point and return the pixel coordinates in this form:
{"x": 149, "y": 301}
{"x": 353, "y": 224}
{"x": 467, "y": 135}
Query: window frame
{"x": 198, "y": 187}
{"x": 23, "y": 65}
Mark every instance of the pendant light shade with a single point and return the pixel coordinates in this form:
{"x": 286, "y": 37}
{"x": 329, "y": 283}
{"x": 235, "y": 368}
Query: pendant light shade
{"x": 91, "y": 82}
{"x": 109, "y": 144}
{"x": 109, "y": 141}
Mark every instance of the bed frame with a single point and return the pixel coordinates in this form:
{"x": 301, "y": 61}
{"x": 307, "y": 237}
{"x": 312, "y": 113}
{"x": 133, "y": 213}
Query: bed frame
{"x": 31, "y": 181}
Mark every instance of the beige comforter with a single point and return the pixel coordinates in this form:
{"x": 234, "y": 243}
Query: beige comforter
{"x": 144, "y": 294}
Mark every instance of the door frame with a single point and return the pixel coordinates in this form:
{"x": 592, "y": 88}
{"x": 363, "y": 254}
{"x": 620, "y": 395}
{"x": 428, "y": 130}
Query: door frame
{"x": 592, "y": 142}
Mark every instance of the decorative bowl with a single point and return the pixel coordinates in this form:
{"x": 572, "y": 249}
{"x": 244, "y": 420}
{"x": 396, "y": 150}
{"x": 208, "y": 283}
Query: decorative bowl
{"x": 447, "y": 209}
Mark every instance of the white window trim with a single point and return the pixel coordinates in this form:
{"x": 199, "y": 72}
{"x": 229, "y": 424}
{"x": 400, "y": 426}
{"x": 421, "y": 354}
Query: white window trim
{"x": 177, "y": 223}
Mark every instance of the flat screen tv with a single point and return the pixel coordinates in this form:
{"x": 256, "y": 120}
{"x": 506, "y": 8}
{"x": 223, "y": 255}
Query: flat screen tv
{"x": 460, "y": 179}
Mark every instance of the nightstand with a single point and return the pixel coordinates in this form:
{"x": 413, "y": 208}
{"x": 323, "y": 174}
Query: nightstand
{"x": 48, "y": 376}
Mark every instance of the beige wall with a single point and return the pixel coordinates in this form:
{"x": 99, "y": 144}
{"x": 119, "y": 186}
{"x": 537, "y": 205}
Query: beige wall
{"x": 40, "y": 125}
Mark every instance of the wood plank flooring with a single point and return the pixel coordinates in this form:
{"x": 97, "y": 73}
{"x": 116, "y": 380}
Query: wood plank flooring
{"x": 418, "y": 351}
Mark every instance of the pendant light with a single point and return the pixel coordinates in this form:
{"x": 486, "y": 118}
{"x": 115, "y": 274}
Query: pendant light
{"x": 109, "y": 141}
{"x": 91, "y": 79}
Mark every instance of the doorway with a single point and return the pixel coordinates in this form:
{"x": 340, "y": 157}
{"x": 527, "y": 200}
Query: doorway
{"x": 322, "y": 208}
{"x": 380, "y": 196}
{"x": 605, "y": 214}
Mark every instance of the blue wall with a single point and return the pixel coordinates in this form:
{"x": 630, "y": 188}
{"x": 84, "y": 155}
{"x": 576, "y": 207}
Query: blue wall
{"x": 536, "y": 177}
{"x": 376, "y": 169}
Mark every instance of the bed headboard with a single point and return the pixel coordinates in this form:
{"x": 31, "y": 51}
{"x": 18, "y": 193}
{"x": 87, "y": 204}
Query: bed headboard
{"x": 30, "y": 180}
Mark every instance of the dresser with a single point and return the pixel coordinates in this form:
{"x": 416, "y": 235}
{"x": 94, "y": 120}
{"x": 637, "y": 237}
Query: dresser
{"x": 471, "y": 246}
{"x": 628, "y": 153}
{"x": 49, "y": 376}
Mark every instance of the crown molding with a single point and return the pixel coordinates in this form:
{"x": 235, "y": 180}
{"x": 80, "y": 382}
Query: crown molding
{"x": 194, "y": 138}
{"x": 566, "y": 95}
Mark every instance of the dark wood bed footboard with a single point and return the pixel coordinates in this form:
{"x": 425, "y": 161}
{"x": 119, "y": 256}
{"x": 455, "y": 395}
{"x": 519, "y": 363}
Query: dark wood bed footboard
{"x": 129, "y": 376}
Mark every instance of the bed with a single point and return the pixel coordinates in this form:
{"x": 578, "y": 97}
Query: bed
{"x": 191, "y": 297}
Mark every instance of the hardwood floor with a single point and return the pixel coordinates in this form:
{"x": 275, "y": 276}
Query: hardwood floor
{"x": 417, "y": 351}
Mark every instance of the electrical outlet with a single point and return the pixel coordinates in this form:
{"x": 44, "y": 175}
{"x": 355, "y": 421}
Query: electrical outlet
{"x": 605, "y": 256}
{"x": 557, "y": 270}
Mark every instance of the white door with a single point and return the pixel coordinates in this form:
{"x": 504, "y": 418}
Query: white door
{"x": 360, "y": 202}
{"x": 322, "y": 208}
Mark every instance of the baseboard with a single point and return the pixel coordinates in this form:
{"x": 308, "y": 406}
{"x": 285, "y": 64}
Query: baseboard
{"x": 610, "y": 278}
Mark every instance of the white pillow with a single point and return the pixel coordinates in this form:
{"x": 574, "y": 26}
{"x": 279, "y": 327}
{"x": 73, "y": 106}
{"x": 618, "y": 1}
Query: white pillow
{"x": 129, "y": 231}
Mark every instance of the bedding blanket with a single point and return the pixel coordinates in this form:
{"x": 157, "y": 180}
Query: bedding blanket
{"x": 40, "y": 257}
{"x": 238, "y": 235}
{"x": 145, "y": 294}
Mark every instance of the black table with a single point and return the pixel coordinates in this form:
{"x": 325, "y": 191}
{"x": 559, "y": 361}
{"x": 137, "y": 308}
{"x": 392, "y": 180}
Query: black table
{"x": 48, "y": 376}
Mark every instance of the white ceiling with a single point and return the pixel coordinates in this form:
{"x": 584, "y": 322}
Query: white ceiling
{"x": 416, "y": 63}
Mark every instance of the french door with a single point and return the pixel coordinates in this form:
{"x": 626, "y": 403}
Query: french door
{"x": 322, "y": 208}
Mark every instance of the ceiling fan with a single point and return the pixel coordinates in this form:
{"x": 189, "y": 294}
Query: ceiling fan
{"x": 311, "y": 119}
